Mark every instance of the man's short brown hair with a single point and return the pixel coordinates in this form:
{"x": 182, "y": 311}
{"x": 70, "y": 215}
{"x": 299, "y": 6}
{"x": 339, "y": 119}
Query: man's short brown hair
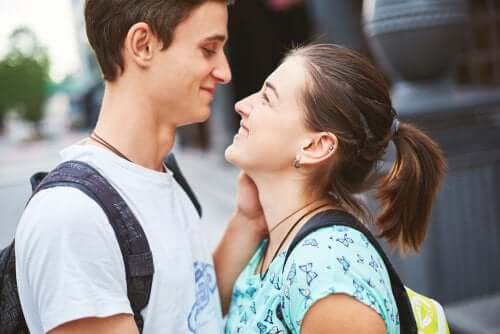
{"x": 108, "y": 22}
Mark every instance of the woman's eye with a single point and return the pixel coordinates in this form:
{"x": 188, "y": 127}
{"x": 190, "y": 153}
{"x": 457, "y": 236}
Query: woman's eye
{"x": 266, "y": 98}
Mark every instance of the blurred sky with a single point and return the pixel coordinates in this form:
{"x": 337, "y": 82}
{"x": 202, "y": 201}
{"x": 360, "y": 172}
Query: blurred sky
{"x": 52, "y": 22}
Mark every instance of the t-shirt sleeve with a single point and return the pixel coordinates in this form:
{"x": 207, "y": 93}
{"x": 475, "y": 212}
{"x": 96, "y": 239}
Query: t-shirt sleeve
{"x": 335, "y": 260}
{"x": 68, "y": 259}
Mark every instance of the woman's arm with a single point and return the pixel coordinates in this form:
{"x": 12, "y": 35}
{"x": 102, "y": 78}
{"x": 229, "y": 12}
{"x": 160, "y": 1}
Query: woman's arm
{"x": 343, "y": 314}
{"x": 246, "y": 228}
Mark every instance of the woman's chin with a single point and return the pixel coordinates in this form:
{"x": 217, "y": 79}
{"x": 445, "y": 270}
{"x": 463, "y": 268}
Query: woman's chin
{"x": 230, "y": 154}
{"x": 235, "y": 156}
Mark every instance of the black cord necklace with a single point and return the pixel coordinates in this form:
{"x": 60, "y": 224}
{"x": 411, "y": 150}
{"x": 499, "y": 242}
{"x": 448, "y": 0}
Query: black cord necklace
{"x": 103, "y": 142}
{"x": 263, "y": 274}
{"x": 284, "y": 219}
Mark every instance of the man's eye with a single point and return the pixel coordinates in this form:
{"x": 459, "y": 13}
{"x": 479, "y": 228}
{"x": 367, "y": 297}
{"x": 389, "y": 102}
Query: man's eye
{"x": 208, "y": 51}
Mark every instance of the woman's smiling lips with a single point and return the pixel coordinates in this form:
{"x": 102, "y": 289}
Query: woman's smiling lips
{"x": 243, "y": 130}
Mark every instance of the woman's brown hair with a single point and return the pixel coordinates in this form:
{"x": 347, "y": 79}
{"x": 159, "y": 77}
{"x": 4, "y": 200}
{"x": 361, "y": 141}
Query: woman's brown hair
{"x": 347, "y": 96}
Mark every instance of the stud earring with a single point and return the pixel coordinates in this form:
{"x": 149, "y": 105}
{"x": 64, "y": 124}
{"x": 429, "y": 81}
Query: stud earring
{"x": 331, "y": 148}
{"x": 296, "y": 162}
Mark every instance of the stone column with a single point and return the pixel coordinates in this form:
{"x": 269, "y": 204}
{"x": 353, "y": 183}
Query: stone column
{"x": 415, "y": 43}
{"x": 339, "y": 22}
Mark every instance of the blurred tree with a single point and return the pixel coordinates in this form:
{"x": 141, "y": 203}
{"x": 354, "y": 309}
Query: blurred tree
{"x": 24, "y": 78}
{"x": 4, "y": 94}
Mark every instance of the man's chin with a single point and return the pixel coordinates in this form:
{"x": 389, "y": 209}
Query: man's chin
{"x": 200, "y": 116}
{"x": 205, "y": 113}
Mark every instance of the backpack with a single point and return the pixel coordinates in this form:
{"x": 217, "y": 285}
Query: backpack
{"x": 133, "y": 244}
{"x": 417, "y": 314}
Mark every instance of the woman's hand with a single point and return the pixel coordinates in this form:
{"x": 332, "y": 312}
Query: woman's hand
{"x": 246, "y": 229}
{"x": 248, "y": 208}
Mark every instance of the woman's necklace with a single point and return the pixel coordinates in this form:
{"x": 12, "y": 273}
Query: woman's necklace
{"x": 263, "y": 274}
{"x": 294, "y": 212}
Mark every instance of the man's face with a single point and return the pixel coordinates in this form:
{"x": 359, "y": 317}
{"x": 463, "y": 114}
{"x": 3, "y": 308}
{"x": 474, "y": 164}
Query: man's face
{"x": 183, "y": 78}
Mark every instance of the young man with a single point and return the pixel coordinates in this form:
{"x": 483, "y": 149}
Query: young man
{"x": 161, "y": 61}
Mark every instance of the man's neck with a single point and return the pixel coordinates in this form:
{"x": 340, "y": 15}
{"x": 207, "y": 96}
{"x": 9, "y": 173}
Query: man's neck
{"x": 131, "y": 124}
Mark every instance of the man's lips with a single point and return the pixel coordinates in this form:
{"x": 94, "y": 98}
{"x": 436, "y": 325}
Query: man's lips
{"x": 209, "y": 89}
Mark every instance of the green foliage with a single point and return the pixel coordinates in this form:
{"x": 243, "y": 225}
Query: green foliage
{"x": 24, "y": 77}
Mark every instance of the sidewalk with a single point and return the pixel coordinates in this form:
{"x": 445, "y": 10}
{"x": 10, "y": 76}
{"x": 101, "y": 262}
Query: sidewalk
{"x": 212, "y": 179}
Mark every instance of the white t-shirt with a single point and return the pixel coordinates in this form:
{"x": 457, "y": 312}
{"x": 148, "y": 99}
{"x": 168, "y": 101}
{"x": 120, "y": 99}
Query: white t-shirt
{"x": 69, "y": 265}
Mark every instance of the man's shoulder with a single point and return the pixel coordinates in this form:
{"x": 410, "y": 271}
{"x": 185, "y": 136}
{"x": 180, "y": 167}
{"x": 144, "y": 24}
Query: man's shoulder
{"x": 61, "y": 210}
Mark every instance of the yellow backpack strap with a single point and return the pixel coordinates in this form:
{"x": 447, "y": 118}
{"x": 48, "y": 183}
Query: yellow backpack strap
{"x": 429, "y": 314}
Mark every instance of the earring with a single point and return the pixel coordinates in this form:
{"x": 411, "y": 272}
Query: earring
{"x": 331, "y": 148}
{"x": 296, "y": 162}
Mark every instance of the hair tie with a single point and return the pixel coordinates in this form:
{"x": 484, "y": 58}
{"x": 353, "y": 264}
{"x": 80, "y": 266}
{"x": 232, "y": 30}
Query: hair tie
{"x": 395, "y": 122}
{"x": 395, "y": 126}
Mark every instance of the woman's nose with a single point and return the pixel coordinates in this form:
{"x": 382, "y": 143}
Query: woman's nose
{"x": 244, "y": 106}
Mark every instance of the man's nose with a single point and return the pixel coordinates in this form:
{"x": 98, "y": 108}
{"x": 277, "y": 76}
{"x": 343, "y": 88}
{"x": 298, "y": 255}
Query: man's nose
{"x": 222, "y": 71}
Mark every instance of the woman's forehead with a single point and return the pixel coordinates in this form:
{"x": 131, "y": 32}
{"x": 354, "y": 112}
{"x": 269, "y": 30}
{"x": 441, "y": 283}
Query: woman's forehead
{"x": 289, "y": 77}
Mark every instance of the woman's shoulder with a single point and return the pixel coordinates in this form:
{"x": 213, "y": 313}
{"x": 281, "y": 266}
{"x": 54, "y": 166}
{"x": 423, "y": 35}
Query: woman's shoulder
{"x": 332, "y": 260}
{"x": 341, "y": 251}
{"x": 336, "y": 239}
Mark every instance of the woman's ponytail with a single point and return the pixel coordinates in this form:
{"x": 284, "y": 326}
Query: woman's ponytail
{"x": 347, "y": 96}
{"x": 408, "y": 191}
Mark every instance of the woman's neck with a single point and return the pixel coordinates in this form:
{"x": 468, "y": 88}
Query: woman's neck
{"x": 284, "y": 200}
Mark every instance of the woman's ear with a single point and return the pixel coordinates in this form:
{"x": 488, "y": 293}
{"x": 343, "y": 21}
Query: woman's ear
{"x": 139, "y": 45}
{"x": 321, "y": 147}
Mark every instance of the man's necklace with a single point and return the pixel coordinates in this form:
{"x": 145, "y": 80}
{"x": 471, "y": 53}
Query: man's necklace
{"x": 110, "y": 147}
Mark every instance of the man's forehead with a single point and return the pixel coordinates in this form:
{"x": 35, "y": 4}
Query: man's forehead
{"x": 207, "y": 22}
{"x": 217, "y": 37}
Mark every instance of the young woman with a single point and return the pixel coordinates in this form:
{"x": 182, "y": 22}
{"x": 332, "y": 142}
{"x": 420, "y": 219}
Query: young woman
{"x": 311, "y": 140}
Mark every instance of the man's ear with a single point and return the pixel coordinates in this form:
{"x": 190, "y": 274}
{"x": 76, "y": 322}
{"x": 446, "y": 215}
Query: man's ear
{"x": 140, "y": 44}
{"x": 319, "y": 148}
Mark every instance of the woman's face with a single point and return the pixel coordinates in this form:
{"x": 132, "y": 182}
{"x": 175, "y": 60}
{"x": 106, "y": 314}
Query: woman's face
{"x": 272, "y": 129}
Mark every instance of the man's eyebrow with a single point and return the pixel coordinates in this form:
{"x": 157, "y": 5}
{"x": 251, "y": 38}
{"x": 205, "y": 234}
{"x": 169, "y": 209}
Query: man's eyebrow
{"x": 271, "y": 86}
{"x": 216, "y": 37}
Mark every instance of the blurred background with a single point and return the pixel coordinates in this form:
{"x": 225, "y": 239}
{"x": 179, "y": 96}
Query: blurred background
{"x": 442, "y": 58}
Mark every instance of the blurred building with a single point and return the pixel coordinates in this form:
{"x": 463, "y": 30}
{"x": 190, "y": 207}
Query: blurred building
{"x": 479, "y": 61}
{"x": 443, "y": 59}
{"x": 86, "y": 98}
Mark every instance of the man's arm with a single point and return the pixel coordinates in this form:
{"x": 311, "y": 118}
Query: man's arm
{"x": 246, "y": 228}
{"x": 117, "y": 324}
{"x": 68, "y": 262}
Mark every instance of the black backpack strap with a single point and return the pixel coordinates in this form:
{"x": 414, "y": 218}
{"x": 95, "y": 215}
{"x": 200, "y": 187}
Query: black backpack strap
{"x": 331, "y": 218}
{"x": 11, "y": 314}
{"x": 133, "y": 243}
{"x": 172, "y": 165}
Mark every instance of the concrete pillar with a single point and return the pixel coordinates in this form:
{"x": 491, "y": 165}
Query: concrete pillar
{"x": 415, "y": 42}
